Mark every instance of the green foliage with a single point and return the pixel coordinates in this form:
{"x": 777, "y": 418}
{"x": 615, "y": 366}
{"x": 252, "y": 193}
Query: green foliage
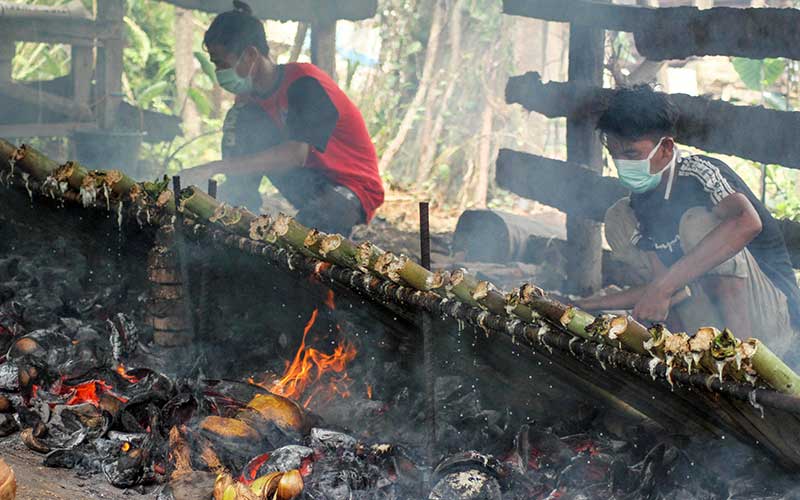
{"x": 758, "y": 74}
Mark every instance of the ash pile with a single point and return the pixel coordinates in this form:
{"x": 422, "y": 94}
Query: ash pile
{"x": 292, "y": 391}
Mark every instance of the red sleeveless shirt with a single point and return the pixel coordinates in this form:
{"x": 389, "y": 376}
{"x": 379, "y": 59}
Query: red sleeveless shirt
{"x": 340, "y": 145}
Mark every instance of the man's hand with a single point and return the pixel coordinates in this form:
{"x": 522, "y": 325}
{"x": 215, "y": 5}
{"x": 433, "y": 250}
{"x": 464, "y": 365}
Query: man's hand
{"x": 199, "y": 175}
{"x": 653, "y": 305}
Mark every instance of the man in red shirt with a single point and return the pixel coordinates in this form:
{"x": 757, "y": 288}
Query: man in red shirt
{"x": 293, "y": 124}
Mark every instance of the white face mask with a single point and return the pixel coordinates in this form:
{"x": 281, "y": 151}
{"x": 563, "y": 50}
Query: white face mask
{"x": 230, "y": 80}
{"x": 635, "y": 174}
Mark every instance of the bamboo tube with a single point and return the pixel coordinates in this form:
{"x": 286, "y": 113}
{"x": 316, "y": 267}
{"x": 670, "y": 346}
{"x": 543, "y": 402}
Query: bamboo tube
{"x": 313, "y": 241}
{"x": 33, "y": 162}
{"x": 700, "y": 347}
{"x": 71, "y": 173}
{"x": 769, "y": 367}
{"x": 571, "y": 318}
{"x": 677, "y": 352}
{"x": 6, "y": 150}
{"x": 724, "y": 351}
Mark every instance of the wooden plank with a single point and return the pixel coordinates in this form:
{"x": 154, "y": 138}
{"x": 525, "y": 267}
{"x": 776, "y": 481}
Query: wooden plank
{"x": 567, "y": 186}
{"x": 82, "y": 68}
{"x": 23, "y": 11}
{"x": 58, "y": 30}
{"x": 680, "y": 32}
{"x": 44, "y": 129}
{"x": 323, "y": 46}
{"x": 110, "y": 64}
{"x": 769, "y": 136}
{"x": 7, "y": 52}
{"x": 158, "y": 127}
{"x": 298, "y": 10}
{"x": 584, "y": 236}
{"x": 70, "y": 108}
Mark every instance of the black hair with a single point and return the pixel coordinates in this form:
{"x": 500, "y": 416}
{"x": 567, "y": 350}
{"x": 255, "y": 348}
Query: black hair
{"x": 638, "y": 111}
{"x": 237, "y": 29}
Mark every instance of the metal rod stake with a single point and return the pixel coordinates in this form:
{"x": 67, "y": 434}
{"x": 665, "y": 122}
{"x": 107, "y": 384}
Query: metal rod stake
{"x": 427, "y": 337}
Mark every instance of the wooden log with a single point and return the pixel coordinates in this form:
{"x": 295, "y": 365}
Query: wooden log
{"x": 26, "y": 12}
{"x": 323, "y": 46}
{"x": 71, "y": 109}
{"x": 752, "y": 132}
{"x": 109, "y": 63}
{"x": 584, "y": 236}
{"x": 559, "y": 184}
{"x": 300, "y": 10}
{"x": 494, "y": 236}
{"x": 72, "y": 31}
{"x": 680, "y": 32}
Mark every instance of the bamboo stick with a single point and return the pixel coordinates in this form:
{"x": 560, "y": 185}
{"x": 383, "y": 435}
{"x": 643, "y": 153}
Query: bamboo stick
{"x": 769, "y": 367}
{"x": 33, "y": 162}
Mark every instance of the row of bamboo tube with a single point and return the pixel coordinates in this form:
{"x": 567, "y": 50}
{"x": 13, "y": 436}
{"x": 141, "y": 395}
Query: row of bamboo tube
{"x": 718, "y": 353}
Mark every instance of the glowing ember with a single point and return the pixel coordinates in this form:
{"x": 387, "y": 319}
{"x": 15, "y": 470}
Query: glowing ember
{"x": 329, "y": 302}
{"x": 87, "y": 392}
{"x": 369, "y": 391}
{"x": 124, "y": 374}
{"x": 251, "y": 469}
{"x": 310, "y": 366}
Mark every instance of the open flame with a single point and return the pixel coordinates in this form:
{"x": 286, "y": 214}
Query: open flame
{"x": 310, "y": 366}
{"x": 124, "y": 374}
{"x": 88, "y": 392}
{"x": 329, "y": 300}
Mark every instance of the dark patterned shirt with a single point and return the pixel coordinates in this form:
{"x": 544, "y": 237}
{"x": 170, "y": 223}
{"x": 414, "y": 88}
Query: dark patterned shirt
{"x": 702, "y": 181}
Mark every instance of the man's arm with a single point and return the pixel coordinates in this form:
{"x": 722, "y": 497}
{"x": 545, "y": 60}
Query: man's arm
{"x": 740, "y": 225}
{"x": 625, "y": 299}
{"x": 628, "y": 298}
{"x": 277, "y": 158}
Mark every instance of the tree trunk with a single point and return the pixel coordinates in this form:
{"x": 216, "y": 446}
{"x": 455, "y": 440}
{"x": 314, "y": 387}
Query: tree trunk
{"x": 430, "y": 141}
{"x": 427, "y": 75}
{"x": 299, "y": 40}
{"x": 185, "y": 70}
{"x": 484, "y": 154}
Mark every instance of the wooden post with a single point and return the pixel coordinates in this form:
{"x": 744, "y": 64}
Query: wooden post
{"x": 109, "y": 62}
{"x": 7, "y": 51}
{"x": 323, "y": 46}
{"x": 586, "y": 55}
{"x": 81, "y": 73}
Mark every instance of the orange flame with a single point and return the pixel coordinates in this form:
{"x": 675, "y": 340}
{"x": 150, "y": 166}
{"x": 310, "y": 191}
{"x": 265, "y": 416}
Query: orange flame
{"x": 87, "y": 392}
{"x": 124, "y": 374}
{"x": 329, "y": 302}
{"x": 369, "y": 391}
{"x": 310, "y": 365}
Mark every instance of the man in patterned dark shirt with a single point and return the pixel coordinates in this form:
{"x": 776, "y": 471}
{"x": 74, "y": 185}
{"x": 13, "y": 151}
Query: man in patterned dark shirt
{"x": 690, "y": 220}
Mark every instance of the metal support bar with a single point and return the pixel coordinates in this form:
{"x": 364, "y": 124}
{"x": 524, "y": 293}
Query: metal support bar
{"x": 427, "y": 335}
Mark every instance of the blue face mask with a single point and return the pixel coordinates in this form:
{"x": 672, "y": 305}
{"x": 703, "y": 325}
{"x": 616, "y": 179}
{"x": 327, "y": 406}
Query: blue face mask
{"x": 635, "y": 174}
{"x": 229, "y": 80}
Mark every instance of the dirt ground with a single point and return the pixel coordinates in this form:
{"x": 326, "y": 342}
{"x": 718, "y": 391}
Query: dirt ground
{"x": 37, "y": 482}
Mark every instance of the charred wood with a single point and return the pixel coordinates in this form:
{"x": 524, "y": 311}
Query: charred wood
{"x": 559, "y": 184}
{"x": 304, "y": 11}
{"x": 751, "y": 132}
{"x": 679, "y": 32}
